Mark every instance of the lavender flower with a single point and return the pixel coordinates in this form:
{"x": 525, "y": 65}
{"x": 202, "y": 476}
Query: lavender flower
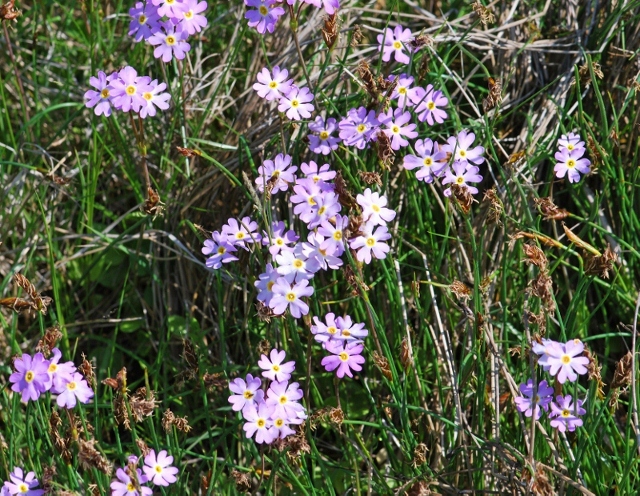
{"x": 75, "y": 389}
{"x": 345, "y": 358}
{"x": 392, "y": 42}
{"x": 265, "y": 283}
{"x": 245, "y": 393}
{"x": 127, "y": 90}
{"x": 374, "y": 208}
{"x": 265, "y": 16}
{"x": 219, "y": 248}
{"x": 123, "y": 485}
{"x": 462, "y": 174}
{"x": 190, "y": 19}
{"x": 323, "y": 142}
{"x": 279, "y": 239}
{"x": 334, "y": 234}
{"x": 397, "y": 127}
{"x": 283, "y": 398}
{"x": 571, "y": 164}
{"x": 145, "y": 21}
{"x": 59, "y": 373}
{"x": 277, "y": 174}
{"x": 565, "y": 414}
{"x": 330, "y": 6}
{"x": 22, "y": 484}
{"x": 296, "y": 103}
{"x": 460, "y": 148}
{"x": 294, "y": 265}
{"x": 241, "y": 233}
{"x": 430, "y": 160}
{"x": 359, "y": 127}
{"x": 102, "y": 98}
{"x": 31, "y": 377}
{"x": 571, "y": 142}
{"x": 565, "y": 362}
{"x": 371, "y": 243}
{"x": 287, "y": 296}
{"x": 427, "y": 109}
{"x": 403, "y": 92}
{"x": 273, "y": 367}
{"x": 170, "y": 42}
{"x": 154, "y": 97}
{"x": 158, "y": 468}
{"x": 258, "y": 422}
{"x": 526, "y": 402}
{"x": 169, "y": 8}
{"x": 273, "y": 87}
{"x": 317, "y": 175}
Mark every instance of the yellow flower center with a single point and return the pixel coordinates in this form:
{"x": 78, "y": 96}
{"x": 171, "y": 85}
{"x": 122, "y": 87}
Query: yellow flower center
{"x": 291, "y": 296}
{"x": 170, "y": 2}
{"x": 280, "y": 241}
{"x": 321, "y": 210}
{"x": 571, "y": 163}
{"x": 346, "y": 333}
{"x": 428, "y": 162}
{"x": 395, "y": 129}
{"x": 158, "y": 469}
{"x": 295, "y": 103}
{"x": 361, "y": 128}
{"x": 273, "y": 85}
{"x": 324, "y": 135}
{"x": 332, "y": 330}
{"x": 460, "y": 180}
{"x": 263, "y": 10}
{"x": 130, "y": 487}
{"x": 104, "y": 93}
{"x": 147, "y": 95}
{"x": 279, "y": 423}
{"x": 344, "y": 356}
{"x": 261, "y": 423}
{"x": 71, "y": 385}
{"x": 297, "y": 263}
{"x": 276, "y": 368}
{"x": 402, "y": 90}
{"x": 53, "y": 367}
{"x": 283, "y": 399}
{"x": 276, "y": 173}
{"x": 248, "y": 395}
{"x": 29, "y": 376}
{"x": 131, "y": 90}
{"x": 337, "y": 235}
{"x": 371, "y": 241}
{"x": 397, "y": 45}
{"x": 375, "y": 208}
{"x": 171, "y": 40}
{"x": 570, "y": 147}
{"x": 270, "y": 285}
{"x": 462, "y": 153}
{"x": 431, "y": 105}
{"x": 142, "y": 19}
{"x": 188, "y": 15}
{"x": 221, "y": 250}
{"x": 566, "y": 359}
{"x": 566, "y": 413}
{"x": 239, "y": 235}
{"x": 23, "y": 488}
{"x": 311, "y": 201}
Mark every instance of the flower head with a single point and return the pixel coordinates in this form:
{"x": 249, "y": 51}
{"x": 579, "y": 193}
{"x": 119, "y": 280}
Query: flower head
{"x": 265, "y": 283}
{"x": 359, "y": 127}
{"x": 460, "y": 148}
{"x": 297, "y": 103}
{"x": 169, "y": 8}
{"x": 273, "y": 85}
{"x": 397, "y": 127}
{"x": 75, "y": 389}
{"x": 286, "y": 295}
{"x": 371, "y": 242}
{"x": 170, "y": 41}
{"x": 565, "y": 362}
{"x": 428, "y": 107}
{"x": 527, "y": 402}
{"x": 571, "y": 142}
{"x": 323, "y": 141}
{"x": 145, "y": 21}
{"x": 431, "y": 161}
{"x": 265, "y": 16}
{"x": 102, "y": 98}
{"x": 124, "y": 485}
{"x": 280, "y": 238}
{"x": 158, "y": 468}
{"x": 345, "y": 358}
{"x": 22, "y": 484}
{"x": 154, "y": 96}
{"x": 220, "y": 248}
{"x": 273, "y": 367}
{"x": 403, "y": 92}
{"x": 258, "y": 422}
{"x": 31, "y": 377}
{"x": 276, "y": 175}
{"x": 565, "y": 414}
{"x": 245, "y": 392}
{"x": 571, "y": 164}
{"x": 392, "y": 42}
{"x": 462, "y": 174}
{"x": 190, "y": 16}
{"x": 241, "y": 233}
{"x": 374, "y": 208}
{"x": 127, "y": 90}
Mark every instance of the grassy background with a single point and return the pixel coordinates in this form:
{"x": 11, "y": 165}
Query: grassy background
{"x": 131, "y": 290}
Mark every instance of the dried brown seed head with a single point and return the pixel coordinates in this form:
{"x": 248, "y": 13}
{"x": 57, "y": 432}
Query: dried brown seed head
{"x": 461, "y": 290}
{"x": 623, "y": 374}
{"x": 549, "y": 210}
{"x": 142, "y": 404}
{"x": 48, "y": 342}
{"x": 331, "y": 30}
{"x": 370, "y": 177}
{"x": 485, "y": 14}
{"x": 383, "y": 365}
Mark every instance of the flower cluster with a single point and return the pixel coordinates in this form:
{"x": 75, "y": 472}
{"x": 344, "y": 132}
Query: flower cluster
{"x": 166, "y": 25}
{"x": 21, "y": 483}
{"x": 561, "y": 360}
{"x": 344, "y": 340}
{"x": 294, "y": 101}
{"x": 570, "y": 157}
{"x": 157, "y": 469}
{"x": 34, "y": 375}
{"x": 126, "y": 91}
{"x": 267, "y": 12}
{"x": 269, "y": 414}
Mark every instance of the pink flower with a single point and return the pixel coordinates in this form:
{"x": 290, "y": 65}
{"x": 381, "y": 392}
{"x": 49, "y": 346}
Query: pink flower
{"x": 462, "y": 173}
{"x": 287, "y": 296}
{"x": 265, "y": 16}
{"x": 323, "y": 142}
{"x": 273, "y": 367}
{"x": 154, "y": 96}
{"x": 571, "y": 165}
{"x": 430, "y": 160}
{"x": 158, "y": 468}
{"x": 565, "y": 362}
{"x": 403, "y": 92}
{"x": 526, "y": 403}
{"x": 102, "y": 98}
{"x": 21, "y": 484}
{"x": 571, "y": 142}
{"x": 170, "y": 42}
{"x": 258, "y": 422}
{"x": 296, "y": 103}
{"x": 144, "y": 21}
{"x": 374, "y": 208}
{"x": 397, "y": 127}
{"x": 359, "y": 127}
{"x": 345, "y": 358}
{"x": 283, "y": 397}
{"x": 127, "y": 90}
{"x": 31, "y": 377}
{"x": 190, "y": 17}
{"x": 392, "y": 42}
{"x": 371, "y": 243}
{"x": 460, "y": 148}
{"x": 75, "y": 389}
{"x": 330, "y": 6}
{"x": 429, "y": 101}
{"x": 272, "y": 87}
{"x": 278, "y": 173}
{"x": 564, "y": 413}
{"x": 169, "y": 8}
{"x": 245, "y": 393}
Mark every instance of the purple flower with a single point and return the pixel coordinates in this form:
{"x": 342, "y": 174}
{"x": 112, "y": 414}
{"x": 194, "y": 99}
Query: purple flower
{"x": 75, "y": 389}
{"x": 359, "y": 127}
{"x": 571, "y": 165}
{"x": 462, "y": 173}
{"x": 564, "y": 413}
{"x": 371, "y": 243}
{"x": 287, "y": 296}
{"x": 22, "y": 484}
{"x": 430, "y": 160}
{"x": 272, "y": 87}
{"x": 403, "y": 92}
{"x": 31, "y": 377}
{"x": 306, "y": 199}
{"x": 325, "y": 255}
{"x": 526, "y": 402}
{"x": 265, "y": 16}
{"x": 241, "y": 233}
{"x": 190, "y": 17}
{"x": 283, "y": 397}
{"x": 273, "y": 367}
{"x": 265, "y": 283}
{"x": 392, "y": 42}
{"x": 349, "y": 331}
{"x": 59, "y": 373}
{"x": 246, "y": 393}
{"x": 276, "y": 173}
{"x": 258, "y": 422}
{"x": 158, "y": 468}
{"x": 219, "y": 248}
{"x": 317, "y": 175}
{"x": 123, "y": 485}
{"x": 294, "y": 265}
{"x": 397, "y": 127}
{"x": 345, "y": 358}
{"x": 571, "y": 142}
{"x": 154, "y": 97}
{"x": 324, "y": 332}
{"x": 374, "y": 208}
{"x": 145, "y": 21}
{"x": 323, "y": 142}
{"x": 330, "y": 6}
{"x": 170, "y": 42}
{"x": 296, "y": 103}
{"x": 169, "y": 8}
{"x": 102, "y": 98}
{"x": 334, "y": 234}
{"x": 127, "y": 90}
{"x": 279, "y": 239}
{"x": 460, "y": 148}
{"x": 547, "y": 350}
{"x": 565, "y": 362}
{"x": 429, "y": 101}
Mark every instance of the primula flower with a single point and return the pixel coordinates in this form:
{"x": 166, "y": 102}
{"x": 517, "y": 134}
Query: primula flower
{"x": 287, "y": 296}
{"x": 276, "y": 174}
{"x": 306, "y": 199}
{"x": 145, "y": 21}
{"x": 283, "y": 397}
{"x": 345, "y": 358}
{"x": 279, "y": 427}
{"x": 397, "y": 127}
{"x": 462, "y": 173}
{"x": 374, "y": 208}
{"x": 241, "y": 233}
{"x": 258, "y": 422}
{"x": 245, "y": 393}
{"x": 279, "y": 239}
{"x": 567, "y": 364}
{"x": 328, "y": 206}
{"x": 333, "y": 233}
{"x": 429, "y": 101}
{"x": 127, "y": 90}
{"x": 330, "y": 6}
{"x": 546, "y": 350}
{"x": 169, "y": 8}
{"x": 431, "y": 160}
{"x": 349, "y": 331}
{"x": 403, "y": 92}
{"x": 526, "y": 402}
{"x": 296, "y": 103}
{"x": 154, "y": 97}
{"x": 295, "y": 266}
{"x": 571, "y": 164}
{"x": 75, "y": 389}
{"x": 571, "y": 142}
{"x": 317, "y": 175}
{"x": 31, "y": 377}
{"x": 392, "y": 42}
{"x": 359, "y": 127}
{"x": 190, "y": 17}
{"x": 123, "y": 485}
{"x": 273, "y": 367}
{"x": 158, "y": 468}
{"x": 102, "y": 98}
{"x": 265, "y": 16}
{"x": 272, "y": 87}
{"x": 325, "y": 257}
{"x": 219, "y": 248}
{"x": 371, "y": 243}
{"x": 322, "y": 142}
{"x": 565, "y": 414}
{"x": 22, "y": 484}
{"x": 265, "y": 283}
{"x": 59, "y": 372}
{"x": 460, "y": 148}
{"x": 170, "y": 42}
